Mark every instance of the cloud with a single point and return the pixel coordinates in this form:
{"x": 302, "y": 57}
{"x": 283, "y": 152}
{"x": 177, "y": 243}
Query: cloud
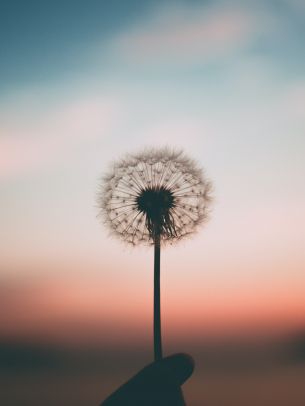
{"x": 33, "y": 137}
{"x": 188, "y": 34}
{"x": 294, "y": 102}
{"x": 299, "y": 5}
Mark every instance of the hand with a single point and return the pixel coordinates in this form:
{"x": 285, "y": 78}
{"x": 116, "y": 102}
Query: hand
{"x": 158, "y": 384}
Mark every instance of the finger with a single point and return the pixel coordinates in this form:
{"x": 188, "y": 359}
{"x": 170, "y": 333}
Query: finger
{"x": 180, "y": 365}
{"x": 158, "y": 383}
{"x": 177, "y": 368}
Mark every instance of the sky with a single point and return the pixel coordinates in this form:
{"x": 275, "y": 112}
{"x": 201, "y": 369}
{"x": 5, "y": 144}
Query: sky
{"x": 83, "y": 83}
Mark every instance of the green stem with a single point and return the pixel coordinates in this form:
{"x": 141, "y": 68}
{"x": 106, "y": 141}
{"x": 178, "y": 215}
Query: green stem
{"x": 157, "y": 312}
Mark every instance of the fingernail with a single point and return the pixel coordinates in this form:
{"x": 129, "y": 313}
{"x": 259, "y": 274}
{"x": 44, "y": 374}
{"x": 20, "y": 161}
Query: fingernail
{"x": 182, "y": 366}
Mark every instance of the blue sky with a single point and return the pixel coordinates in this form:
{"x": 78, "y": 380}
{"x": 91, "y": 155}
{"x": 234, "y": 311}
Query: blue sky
{"x": 42, "y": 41}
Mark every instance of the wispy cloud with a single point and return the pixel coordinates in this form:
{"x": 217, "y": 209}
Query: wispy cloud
{"x": 33, "y": 136}
{"x": 189, "y": 34}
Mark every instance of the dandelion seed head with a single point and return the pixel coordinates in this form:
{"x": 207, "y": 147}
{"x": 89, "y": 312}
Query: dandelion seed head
{"x": 157, "y": 193}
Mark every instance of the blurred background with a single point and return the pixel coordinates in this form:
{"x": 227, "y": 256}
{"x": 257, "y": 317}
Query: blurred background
{"x": 81, "y": 84}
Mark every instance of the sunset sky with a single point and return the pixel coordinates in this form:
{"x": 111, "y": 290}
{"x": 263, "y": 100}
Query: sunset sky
{"x": 81, "y": 83}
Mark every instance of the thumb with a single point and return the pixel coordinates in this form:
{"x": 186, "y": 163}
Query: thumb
{"x": 157, "y": 384}
{"x": 177, "y": 368}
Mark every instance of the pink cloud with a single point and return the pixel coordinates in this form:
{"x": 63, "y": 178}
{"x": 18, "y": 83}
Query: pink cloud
{"x": 293, "y": 101}
{"x": 38, "y": 139}
{"x": 179, "y": 34}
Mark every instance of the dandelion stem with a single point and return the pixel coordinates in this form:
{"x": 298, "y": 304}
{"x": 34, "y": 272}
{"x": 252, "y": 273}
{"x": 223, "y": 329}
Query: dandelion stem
{"x": 157, "y": 313}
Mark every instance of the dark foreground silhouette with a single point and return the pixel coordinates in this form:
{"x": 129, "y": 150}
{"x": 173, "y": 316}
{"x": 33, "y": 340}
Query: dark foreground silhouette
{"x": 158, "y": 384}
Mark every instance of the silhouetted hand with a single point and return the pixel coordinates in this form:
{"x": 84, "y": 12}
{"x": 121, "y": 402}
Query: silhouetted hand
{"x": 158, "y": 384}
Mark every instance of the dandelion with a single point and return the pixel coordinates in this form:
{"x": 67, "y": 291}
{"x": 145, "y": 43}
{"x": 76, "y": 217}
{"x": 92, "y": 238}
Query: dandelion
{"x": 155, "y": 197}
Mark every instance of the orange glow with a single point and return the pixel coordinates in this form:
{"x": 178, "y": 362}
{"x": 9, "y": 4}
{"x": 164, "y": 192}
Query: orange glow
{"x": 77, "y": 308}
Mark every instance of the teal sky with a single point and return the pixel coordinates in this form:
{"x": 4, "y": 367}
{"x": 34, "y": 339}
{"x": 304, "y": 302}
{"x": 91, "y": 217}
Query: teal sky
{"x": 41, "y": 42}
{"x": 84, "y": 82}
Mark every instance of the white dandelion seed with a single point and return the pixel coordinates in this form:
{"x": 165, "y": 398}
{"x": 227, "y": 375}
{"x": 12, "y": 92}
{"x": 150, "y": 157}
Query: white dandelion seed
{"x": 154, "y": 194}
{"x": 154, "y": 197}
